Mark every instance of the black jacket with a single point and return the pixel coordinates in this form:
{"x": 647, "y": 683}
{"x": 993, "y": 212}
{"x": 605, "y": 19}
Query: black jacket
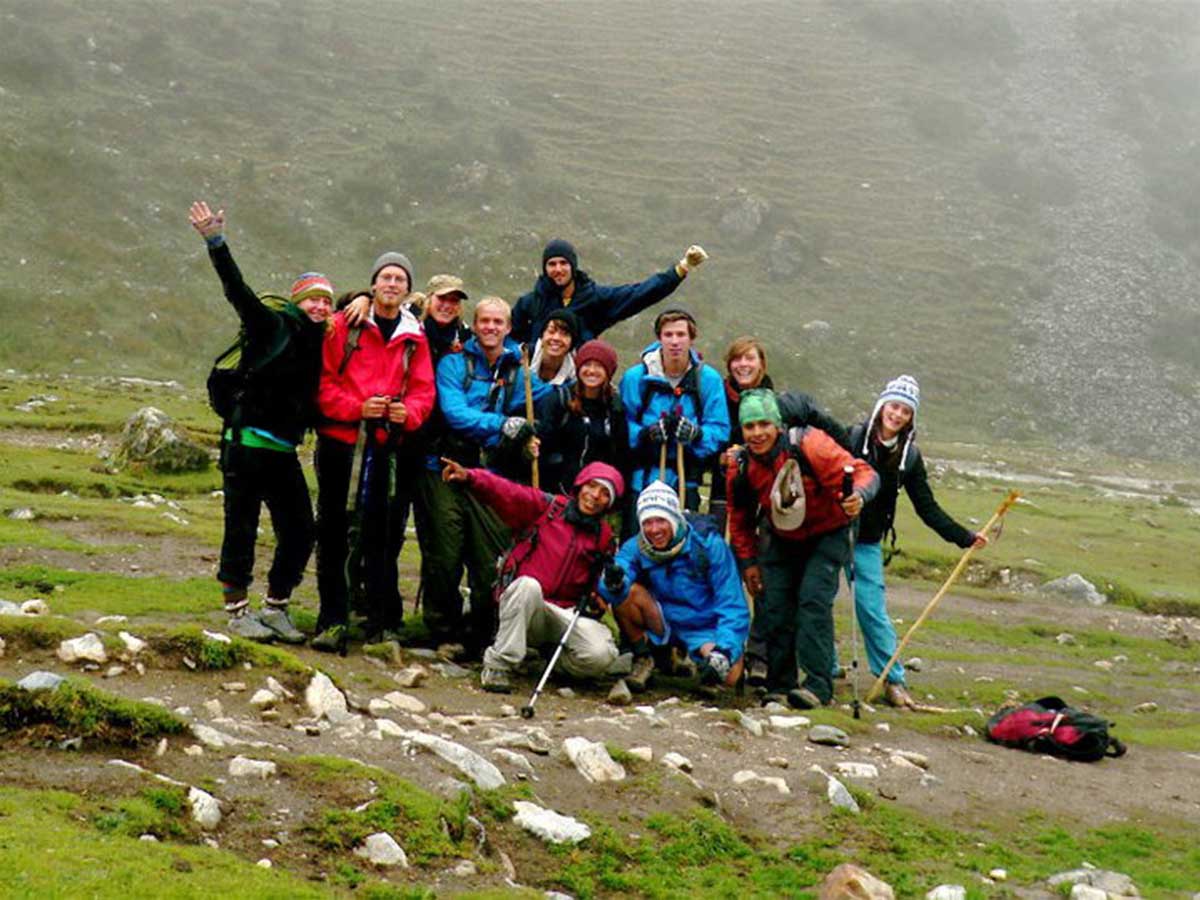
{"x": 597, "y": 306}
{"x": 879, "y": 515}
{"x": 570, "y": 441}
{"x": 279, "y": 398}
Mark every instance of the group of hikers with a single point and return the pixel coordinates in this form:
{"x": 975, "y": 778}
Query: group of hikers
{"x": 561, "y": 490}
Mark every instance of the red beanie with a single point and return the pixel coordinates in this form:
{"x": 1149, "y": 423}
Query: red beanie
{"x": 597, "y": 351}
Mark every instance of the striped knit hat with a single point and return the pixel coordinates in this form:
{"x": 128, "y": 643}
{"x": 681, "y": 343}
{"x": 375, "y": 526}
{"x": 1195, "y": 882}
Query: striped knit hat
{"x": 311, "y": 284}
{"x": 659, "y": 500}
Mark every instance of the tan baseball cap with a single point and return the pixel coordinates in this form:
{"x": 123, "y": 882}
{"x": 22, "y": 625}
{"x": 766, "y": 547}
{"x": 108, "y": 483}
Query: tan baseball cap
{"x": 441, "y": 285}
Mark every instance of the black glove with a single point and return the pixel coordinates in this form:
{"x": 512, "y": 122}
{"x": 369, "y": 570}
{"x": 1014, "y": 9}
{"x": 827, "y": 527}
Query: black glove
{"x": 716, "y": 666}
{"x": 686, "y": 430}
{"x": 516, "y": 429}
{"x": 614, "y": 577}
{"x": 661, "y": 431}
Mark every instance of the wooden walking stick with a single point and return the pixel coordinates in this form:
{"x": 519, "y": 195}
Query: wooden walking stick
{"x": 682, "y": 476}
{"x": 529, "y": 409}
{"x": 962, "y": 564}
{"x": 662, "y": 462}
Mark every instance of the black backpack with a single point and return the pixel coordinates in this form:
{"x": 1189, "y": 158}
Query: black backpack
{"x": 1050, "y": 726}
{"x": 231, "y": 373}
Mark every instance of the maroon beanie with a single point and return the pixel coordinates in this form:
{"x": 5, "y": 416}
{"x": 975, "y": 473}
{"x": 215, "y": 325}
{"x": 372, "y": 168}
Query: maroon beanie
{"x": 597, "y": 351}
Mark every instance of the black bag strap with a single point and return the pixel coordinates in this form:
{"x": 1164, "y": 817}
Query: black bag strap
{"x": 352, "y": 337}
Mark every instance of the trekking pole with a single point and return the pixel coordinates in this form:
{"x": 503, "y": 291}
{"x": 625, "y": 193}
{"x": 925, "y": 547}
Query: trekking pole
{"x": 682, "y": 476}
{"x": 527, "y": 709}
{"x": 847, "y": 487}
{"x": 962, "y": 564}
{"x": 529, "y": 410}
{"x": 662, "y": 462}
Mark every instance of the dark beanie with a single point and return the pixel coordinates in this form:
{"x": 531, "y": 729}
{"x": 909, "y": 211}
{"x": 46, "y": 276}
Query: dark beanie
{"x": 559, "y": 247}
{"x": 569, "y": 320}
{"x": 597, "y": 351}
{"x": 393, "y": 259}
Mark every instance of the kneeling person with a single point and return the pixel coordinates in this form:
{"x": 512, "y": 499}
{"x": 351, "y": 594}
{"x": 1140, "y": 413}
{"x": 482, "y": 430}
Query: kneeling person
{"x": 550, "y": 569}
{"x": 672, "y": 585}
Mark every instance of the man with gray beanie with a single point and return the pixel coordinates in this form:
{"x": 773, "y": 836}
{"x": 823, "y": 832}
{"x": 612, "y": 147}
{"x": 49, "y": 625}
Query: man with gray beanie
{"x": 597, "y": 307}
{"x": 376, "y": 390}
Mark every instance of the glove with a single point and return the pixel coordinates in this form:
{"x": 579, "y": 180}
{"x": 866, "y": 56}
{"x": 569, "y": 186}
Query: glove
{"x": 660, "y": 432}
{"x": 686, "y": 430}
{"x": 716, "y": 666}
{"x": 516, "y": 429}
{"x": 614, "y": 577}
{"x": 693, "y": 257}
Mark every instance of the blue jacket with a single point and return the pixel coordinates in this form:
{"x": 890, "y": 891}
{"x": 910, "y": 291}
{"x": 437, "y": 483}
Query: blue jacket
{"x": 698, "y": 590}
{"x": 646, "y": 395}
{"x": 597, "y": 306}
{"x": 476, "y": 412}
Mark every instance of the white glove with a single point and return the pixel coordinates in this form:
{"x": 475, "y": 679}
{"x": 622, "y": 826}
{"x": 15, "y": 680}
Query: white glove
{"x": 514, "y": 428}
{"x": 693, "y": 257}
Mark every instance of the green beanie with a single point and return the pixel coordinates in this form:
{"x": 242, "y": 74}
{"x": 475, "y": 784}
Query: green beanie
{"x": 759, "y": 405}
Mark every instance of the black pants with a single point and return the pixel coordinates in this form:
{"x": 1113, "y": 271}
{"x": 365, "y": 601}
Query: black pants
{"x": 252, "y": 477}
{"x": 384, "y": 516}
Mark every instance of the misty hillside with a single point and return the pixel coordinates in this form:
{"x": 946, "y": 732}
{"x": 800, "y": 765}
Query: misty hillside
{"x": 1001, "y": 198}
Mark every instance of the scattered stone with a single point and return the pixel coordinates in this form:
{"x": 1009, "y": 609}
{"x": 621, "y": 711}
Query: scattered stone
{"x": 325, "y": 700}
{"x": 518, "y": 761}
{"x": 388, "y": 728}
{"x": 849, "y": 882}
{"x": 1104, "y": 664}
{"x": 411, "y": 677}
{"x": 150, "y": 437}
{"x": 508, "y": 711}
{"x": 217, "y": 637}
{"x": 263, "y": 699}
{"x": 133, "y": 645}
{"x": 677, "y": 761}
{"x": 566, "y": 693}
{"x": 467, "y": 761}
{"x": 160, "y": 749}
{"x": 205, "y": 809}
{"x": 592, "y": 761}
{"x": 22, "y": 514}
{"x": 534, "y": 740}
{"x": 1112, "y": 883}
{"x": 916, "y": 664}
{"x": 838, "y": 795}
{"x": 645, "y": 754}
{"x": 779, "y": 762}
{"x": 947, "y": 892}
{"x": 901, "y": 763}
{"x": 620, "y": 695}
{"x": 829, "y": 735}
{"x": 211, "y": 737}
{"x": 883, "y": 726}
{"x": 1148, "y": 707}
{"x": 998, "y": 874}
{"x": 381, "y": 849}
{"x": 233, "y": 687}
{"x": 243, "y": 767}
{"x": 405, "y": 702}
{"x": 8, "y": 608}
{"x": 857, "y": 769}
{"x": 193, "y": 750}
{"x": 746, "y": 776}
{"x": 750, "y": 724}
{"x": 270, "y": 843}
{"x": 213, "y": 708}
{"x": 89, "y": 647}
{"x": 110, "y": 620}
{"x": 278, "y": 689}
{"x": 450, "y": 670}
{"x": 549, "y": 825}
{"x": 35, "y": 607}
{"x": 263, "y": 863}
{"x": 1066, "y": 638}
{"x": 969, "y": 731}
{"x": 1075, "y": 587}
{"x": 148, "y": 838}
{"x": 464, "y": 869}
{"x": 786, "y": 723}
{"x": 1087, "y": 892}
{"x": 2, "y": 646}
{"x": 911, "y": 756}
{"x": 40, "y": 681}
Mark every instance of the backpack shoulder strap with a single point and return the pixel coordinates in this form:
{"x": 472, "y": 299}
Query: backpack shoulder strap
{"x": 352, "y": 337}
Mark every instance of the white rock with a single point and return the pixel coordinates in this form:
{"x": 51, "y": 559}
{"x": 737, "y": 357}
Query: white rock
{"x": 839, "y": 796}
{"x": 193, "y": 750}
{"x": 114, "y": 671}
{"x": 916, "y": 664}
{"x": 133, "y": 645}
{"x": 677, "y": 761}
{"x": 645, "y": 754}
{"x": 1104, "y": 664}
{"x": 883, "y": 726}
{"x": 205, "y": 809}
{"x": 2, "y": 646}
{"x": 161, "y": 748}
{"x": 325, "y": 700}
{"x": 746, "y": 776}
{"x": 751, "y": 724}
{"x": 243, "y": 767}
{"x": 377, "y": 707}
{"x": 381, "y": 849}
{"x": 785, "y": 723}
{"x": 35, "y": 607}
{"x": 1065, "y": 638}
{"x": 278, "y": 689}
{"x": 8, "y": 608}
{"x": 211, "y": 737}
{"x": 148, "y": 838}
{"x": 464, "y": 868}
{"x": 467, "y": 761}
{"x": 233, "y": 687}
{"x": 1087, "y": 892}
{"x": 218, "y": 637}
{"x": 549, "y": 825}
{"x": 263, "y": 863}
{"x": 592, "y": 761}
{"x": 1075, "y": 587}
{"x": 947, "y": 892}
{"x": 917, "y": 759}
{"x": 411, "y": 677}
{"x": 214, "y": 708}
{"x": 388, "y": 728}
{"x": 89, "y": 647}
{"x": 1148, "y": 707}
{"x": 998, "y": 874}
{"x": 901, "y": 763}
{"x": 263, "y": 699}
{"x": 405, "y": 702}
{"x": 857, "y": 769}
{"x": 518, "y": 761}
{"x": 112, "y": 620}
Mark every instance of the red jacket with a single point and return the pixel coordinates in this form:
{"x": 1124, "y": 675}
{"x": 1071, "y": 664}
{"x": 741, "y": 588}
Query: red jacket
{"x": 566, "y": 555}
{"x": 822, "y": 495}
{"x": 375, "y": 368}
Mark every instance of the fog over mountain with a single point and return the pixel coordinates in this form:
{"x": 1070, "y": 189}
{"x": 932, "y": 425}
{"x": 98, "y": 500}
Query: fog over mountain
{"x": 1000, "y": 198}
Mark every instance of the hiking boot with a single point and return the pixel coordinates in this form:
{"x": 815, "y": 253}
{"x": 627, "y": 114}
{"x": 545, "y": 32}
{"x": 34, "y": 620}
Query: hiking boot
{"x": 277, "y": 621}
{"x": 681, "y": 664}
{"x": 897, "y": 695}
{"x": 497, "y": 681}
{"x": 803, "y": 698}
{"x": 757, "y": 675}
{"x": 706, "y": 691}
{"x": 249, "y": 627}
{"x": 382, "y": 635}
{"x": 641, "y": 676}
{"x": 332, "y": 639}
{"x": 451, "y": 652}
{"x": 774, "y": 697}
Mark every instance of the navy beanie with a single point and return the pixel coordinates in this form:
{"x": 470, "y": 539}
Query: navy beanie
{"x": 559, "y": 247}
{"x": 569, "y": 321}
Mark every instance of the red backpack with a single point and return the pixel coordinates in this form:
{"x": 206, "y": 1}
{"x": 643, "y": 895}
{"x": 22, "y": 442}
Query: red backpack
{"x": 1050, "y": 726}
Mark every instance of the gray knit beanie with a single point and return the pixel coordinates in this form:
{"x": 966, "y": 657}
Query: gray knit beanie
{"x": 394, "y": 259}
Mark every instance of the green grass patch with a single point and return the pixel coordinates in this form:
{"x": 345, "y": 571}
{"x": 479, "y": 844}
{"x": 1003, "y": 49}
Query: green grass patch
{"x": 160, "y": 811}
{"x": 206, "y": 653}
{"x": 76, "y": 709}
{"x": 38, "y": 632}
{"x": 69, "y": 592}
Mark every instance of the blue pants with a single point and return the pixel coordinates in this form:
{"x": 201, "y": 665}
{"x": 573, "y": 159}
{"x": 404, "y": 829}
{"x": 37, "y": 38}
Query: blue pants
{"x": 870, "y": 606}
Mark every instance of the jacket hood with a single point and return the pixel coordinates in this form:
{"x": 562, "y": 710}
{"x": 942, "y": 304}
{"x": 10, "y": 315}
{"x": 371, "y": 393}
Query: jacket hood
{"x": 652, "y": 359}
{"x": 511, "y": 348}
{"x": 603, "y": 471}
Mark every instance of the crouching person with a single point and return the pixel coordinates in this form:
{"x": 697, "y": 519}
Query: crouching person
{"x": 551, "y": 568}
{"x": 672, "y": 586}
{"x": 794, "y": 479}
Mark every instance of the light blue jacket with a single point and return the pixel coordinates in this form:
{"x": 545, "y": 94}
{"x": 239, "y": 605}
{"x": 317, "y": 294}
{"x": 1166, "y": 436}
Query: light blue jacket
{"x": 476, "y": 412}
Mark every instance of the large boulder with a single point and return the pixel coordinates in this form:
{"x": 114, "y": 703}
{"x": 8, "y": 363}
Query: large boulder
{"x": 151, "y": 438}
{"x": 849, "y": 882}
{"x": 1075, "y": 587}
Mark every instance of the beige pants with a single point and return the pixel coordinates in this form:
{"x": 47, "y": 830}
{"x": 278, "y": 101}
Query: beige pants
{"x": 528, "y": 620}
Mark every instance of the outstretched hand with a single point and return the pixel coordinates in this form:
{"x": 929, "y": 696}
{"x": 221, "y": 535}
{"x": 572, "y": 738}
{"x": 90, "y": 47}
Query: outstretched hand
{"x": 980, "y": 541}
{"x": 694, "y": 256}
{"x": 203, "y": 219}
{"x": 357, "y": 309}
{"x": 453, "y": 471}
